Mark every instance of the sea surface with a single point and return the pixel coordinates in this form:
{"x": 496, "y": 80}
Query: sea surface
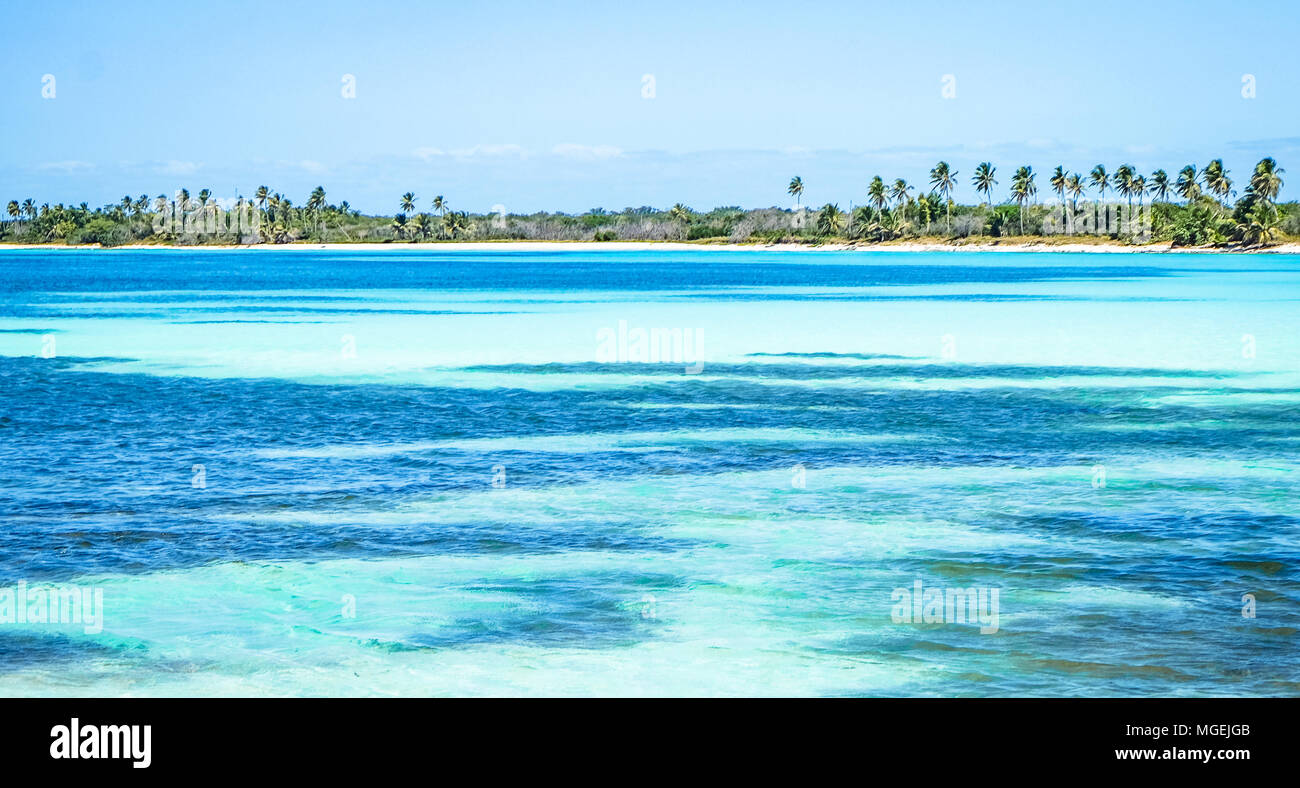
{"x": 702, "y": 472}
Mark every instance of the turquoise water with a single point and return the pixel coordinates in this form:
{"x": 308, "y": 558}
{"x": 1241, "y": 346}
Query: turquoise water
{"x": 400, "y": 472}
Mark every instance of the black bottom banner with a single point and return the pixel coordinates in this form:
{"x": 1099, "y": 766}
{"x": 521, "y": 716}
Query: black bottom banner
{"x": 137, "y": 738}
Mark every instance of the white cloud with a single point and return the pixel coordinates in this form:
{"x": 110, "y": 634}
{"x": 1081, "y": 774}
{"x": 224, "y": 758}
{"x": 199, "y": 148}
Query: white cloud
{"x": 66, "y": 167}
{"x": 572, "y": 151}
{"x": 175, "y": 167}
{"x": 475, "y": 152}
{"x": 488, "y": 150}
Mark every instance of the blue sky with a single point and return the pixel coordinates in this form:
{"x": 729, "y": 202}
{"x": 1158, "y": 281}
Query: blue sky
{"x": 541, "y": 105}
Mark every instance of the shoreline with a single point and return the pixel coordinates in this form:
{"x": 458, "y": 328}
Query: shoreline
{"x": 632, "y": 246}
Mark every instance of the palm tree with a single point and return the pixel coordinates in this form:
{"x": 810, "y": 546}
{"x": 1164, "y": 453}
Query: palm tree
{"x": 1022, "y": 189}
{"x": 454, "y": 223}
{"x": 14, "y": 209}
{"x": 439, "y": 205}
{"x": 877, "y": 195}
{"x": 399, "y": 225}
{"x": 1075, "y": 186}
{"x": 890, "y": 225}
{"x": 680, "y": 213}
{"x": 1259, "y": 224}
{"x": 984, "y": 180}
{"x": 1137, "y": 186}
{"x": 1124, "y": 182}
{"x": 899, "y": 193}
{"x": 261, "y": 194}
{"x": 1058, "y": 182}
{"x": 795, "y": 189}
{"x": 1266, "y": 181}
{"x": 204, "y": 196}
{"x": 422, "y": 226}
{"x": 315, "y": 202}
{"x": 1216, "y": 179}
{"x": 943, "y": 180}
{"x": 1101, "y": 180}
{"x": 408, "y": 202}
{"x": 1159, "y": 186}
{"x": 29, "y": 208}
{"x": 830, "y": 220}
{"x": 1188, "y": 184}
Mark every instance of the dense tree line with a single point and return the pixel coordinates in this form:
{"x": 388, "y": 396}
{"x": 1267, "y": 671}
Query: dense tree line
{"x": 1196, "y": 207}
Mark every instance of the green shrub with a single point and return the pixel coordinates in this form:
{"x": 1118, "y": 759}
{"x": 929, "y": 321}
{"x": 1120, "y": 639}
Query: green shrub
{"x": 698, "y": 231}
{"x": 1004, "y": 221}
{"x": 1195, "y": 227}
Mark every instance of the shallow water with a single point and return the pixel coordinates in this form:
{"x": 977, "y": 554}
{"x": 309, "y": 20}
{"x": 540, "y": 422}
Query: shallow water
{"x": 410, "y": 473}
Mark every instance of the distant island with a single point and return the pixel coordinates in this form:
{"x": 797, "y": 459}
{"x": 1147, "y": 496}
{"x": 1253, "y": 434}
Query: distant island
{"x": 1199, "y": 208}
